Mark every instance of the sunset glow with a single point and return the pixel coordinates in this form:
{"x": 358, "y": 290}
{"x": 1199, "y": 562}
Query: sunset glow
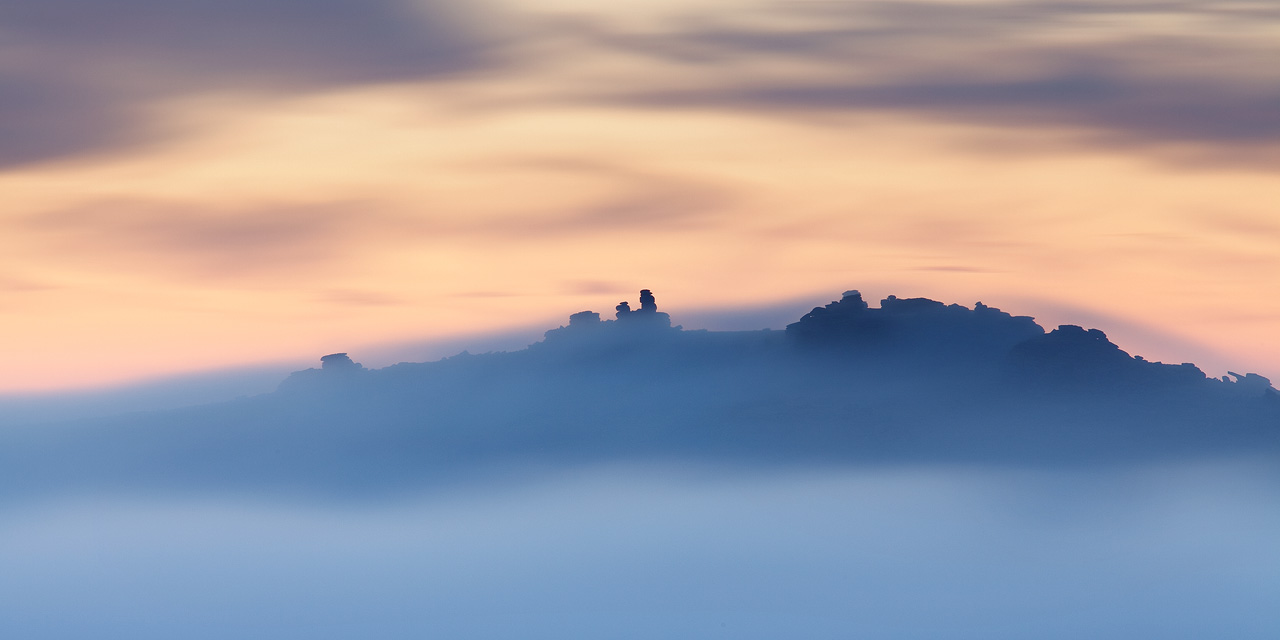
{"x": 283, "y": 196}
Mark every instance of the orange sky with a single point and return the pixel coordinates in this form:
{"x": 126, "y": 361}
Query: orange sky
{"x": 1077, "y": 164}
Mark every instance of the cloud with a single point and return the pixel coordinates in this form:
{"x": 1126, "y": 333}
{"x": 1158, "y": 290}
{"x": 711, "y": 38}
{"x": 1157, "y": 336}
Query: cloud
{"x": 951, "y": 268}
{"x": 79, "y": 73}
{"x": 44, "y": 117}
{"x": 182, "y": 241}
{"x": 672, "y": 209}
{"x": 1121, "y": 109}
{"x": 594, "y": 287}
{"x": 192, "y": 241}
{"x": 634, "y": 201}
{"x": 360, "y": 297}
{"x": 9, "y": 284}
{"x": 1156, "y": 72}
{"x": 1237, "y": 225}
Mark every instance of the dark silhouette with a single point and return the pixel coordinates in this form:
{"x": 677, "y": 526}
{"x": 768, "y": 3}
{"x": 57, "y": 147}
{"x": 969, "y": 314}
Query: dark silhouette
{"x": 1071, "y": 356}
{"x": 584, "y": 318}
{"x": 647, "y": 302}
{"x": 646, "y": 318}
{"x": 905, "y": 445}
{"x": 909, "y": 381}
{"x": 338, "y": 362}
{"x": 647, "y": 313}
{"x": 918, "y": 330}
{"x": 1252, "y": 383}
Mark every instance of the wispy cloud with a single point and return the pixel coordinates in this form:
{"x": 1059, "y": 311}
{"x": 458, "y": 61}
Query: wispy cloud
{"x": 9, "y": 284}
{"x": 1151, "y": 72}
{"x": 79, "y": 74}
{"x": 632, "y": 199}
{"x": 187, "y": 241}
{"x": 669, "y": 209}
{"x": 950, "y": 268}
{"x": 360, "y": 297}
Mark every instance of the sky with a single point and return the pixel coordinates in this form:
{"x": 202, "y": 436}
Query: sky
{"x": 200, "y": 184}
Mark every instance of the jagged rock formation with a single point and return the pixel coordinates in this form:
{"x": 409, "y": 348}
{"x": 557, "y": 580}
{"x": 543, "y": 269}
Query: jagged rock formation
{"x": 584, "y": 319}
{"x": 339, "y": 362}
{"x": 1073, "y": 356}
{"x": 335, "y": 369}
{"x": 645, "y": 320}
{"x": 919, "y": 339}
{"x": 912, "y": 328}
{"x": 1251, "y": 383}
{"x": 912, "y": 380}
{"x": 648, "y": 304}
{"x": 647, "y": 313}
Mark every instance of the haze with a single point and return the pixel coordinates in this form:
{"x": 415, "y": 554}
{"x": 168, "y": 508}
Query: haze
{"x": 913, "y": 470}
{"x": 199, "y": 199}
{"x": 217, "y": 184}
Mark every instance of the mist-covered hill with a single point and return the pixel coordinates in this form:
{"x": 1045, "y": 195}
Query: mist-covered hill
{"x": 912, "y": 381}
{"x": 916, "y": 471}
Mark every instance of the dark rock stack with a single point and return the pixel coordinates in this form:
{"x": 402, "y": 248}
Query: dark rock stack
{"x": 339, "y": 362}
{"x": 631, "y": 324}
{"x": 648, "y": 304}
{"x": 647, "y": 314}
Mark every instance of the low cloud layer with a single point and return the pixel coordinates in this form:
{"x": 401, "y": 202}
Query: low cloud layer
{"x": 656, "y": 551}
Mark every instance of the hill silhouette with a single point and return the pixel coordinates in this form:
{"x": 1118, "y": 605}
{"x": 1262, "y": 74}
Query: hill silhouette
{"x": 911, "y": 381}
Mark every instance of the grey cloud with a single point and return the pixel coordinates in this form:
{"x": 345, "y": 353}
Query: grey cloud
{"x": 289, "y": 41}
{"x": 1082, "y": 65}
{"x": 1123, "y": 109}
{"x": 77, "y": 74}
{"x": 43, "y": 117}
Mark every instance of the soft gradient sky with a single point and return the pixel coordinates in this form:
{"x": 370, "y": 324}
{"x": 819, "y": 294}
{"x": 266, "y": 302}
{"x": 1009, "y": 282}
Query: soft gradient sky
{"x": 196, "y": 184}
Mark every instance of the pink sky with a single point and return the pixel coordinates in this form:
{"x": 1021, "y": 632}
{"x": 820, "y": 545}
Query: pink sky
{"x": 236, "y": 182}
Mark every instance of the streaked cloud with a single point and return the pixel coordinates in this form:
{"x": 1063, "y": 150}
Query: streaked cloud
{"x": 10, "y": 284}
{"x": 664, "y": 209}
{"x": 344, "y": 297}
{"x": 81, "y": 75}
{"x": 185, "y": 241}
{"x": 953, "y": 268}
{"x": 280, "y": 176}
{"x": 1153, "y": 72}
